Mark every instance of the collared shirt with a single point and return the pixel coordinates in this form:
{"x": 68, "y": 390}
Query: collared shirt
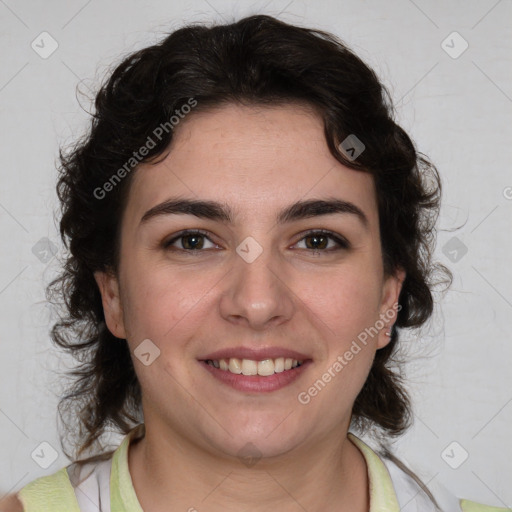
{"x": 107, "y": 486}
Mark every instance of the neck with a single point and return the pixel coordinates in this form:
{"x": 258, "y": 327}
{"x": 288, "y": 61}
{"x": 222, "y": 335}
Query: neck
{"x": 168, "y": 472}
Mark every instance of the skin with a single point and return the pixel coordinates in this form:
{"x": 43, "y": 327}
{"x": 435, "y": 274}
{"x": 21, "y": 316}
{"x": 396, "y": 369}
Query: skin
{"x": 11, "y": 503}
{"x": 257, "y": 160}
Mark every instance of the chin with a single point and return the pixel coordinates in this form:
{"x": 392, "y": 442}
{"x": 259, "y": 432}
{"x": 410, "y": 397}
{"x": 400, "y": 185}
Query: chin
{"x": 256, "y": 441}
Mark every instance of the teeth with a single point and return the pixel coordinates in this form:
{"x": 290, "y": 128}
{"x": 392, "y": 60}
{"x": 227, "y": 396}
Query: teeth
{"x": 250, "y": 367}
{"x": 266, "y": 367}
{"x": 235, "y": 365}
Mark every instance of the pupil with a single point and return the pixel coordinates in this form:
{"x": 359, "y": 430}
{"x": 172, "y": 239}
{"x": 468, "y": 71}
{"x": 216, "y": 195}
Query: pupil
{"x": 316, "y": 244}
{"x": 196, "y": 242}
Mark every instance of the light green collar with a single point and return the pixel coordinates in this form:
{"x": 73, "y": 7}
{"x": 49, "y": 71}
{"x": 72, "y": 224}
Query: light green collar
{"x": 122, "y": 493}
{"x": 123, "y": 497}
{"x": 382, "y": 493}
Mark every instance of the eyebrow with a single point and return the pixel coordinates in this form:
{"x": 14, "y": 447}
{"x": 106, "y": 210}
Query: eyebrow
{"x": 213, "y": 210}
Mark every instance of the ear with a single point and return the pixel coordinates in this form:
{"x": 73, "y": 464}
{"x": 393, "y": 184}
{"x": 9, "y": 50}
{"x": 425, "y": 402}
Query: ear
{"x": 391, "y": 289}
{"x": 109, "y": 288}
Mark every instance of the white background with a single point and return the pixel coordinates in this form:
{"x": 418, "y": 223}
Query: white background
{"x": 458, "y": 111}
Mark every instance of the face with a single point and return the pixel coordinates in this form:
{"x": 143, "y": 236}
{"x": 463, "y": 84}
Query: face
{"x": 250, "y": 241}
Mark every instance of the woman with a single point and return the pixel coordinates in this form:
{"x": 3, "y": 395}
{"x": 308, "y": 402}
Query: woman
{"x": 249, "y": 230}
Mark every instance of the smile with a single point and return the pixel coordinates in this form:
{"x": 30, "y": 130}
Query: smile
{"x": 263, "y": 368}
{"x": 253, "y": 376}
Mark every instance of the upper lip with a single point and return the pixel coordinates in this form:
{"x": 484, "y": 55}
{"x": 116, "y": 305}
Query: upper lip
{"x": 255, "y": 354}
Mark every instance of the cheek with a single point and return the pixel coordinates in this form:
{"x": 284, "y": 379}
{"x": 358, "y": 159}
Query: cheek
{"x": 160, "y": 304}
{"x": 345, "y": 302}
{"x": 166, "y": 309}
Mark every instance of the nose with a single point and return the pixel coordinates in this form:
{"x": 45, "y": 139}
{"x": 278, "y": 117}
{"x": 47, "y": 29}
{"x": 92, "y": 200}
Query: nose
{"x": 256, "y": 294}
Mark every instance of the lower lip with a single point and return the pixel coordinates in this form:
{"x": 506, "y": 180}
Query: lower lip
{"x": 257, "y": 383}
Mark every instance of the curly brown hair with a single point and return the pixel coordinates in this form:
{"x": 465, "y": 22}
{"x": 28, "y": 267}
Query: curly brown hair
{"x": 262, "y": 61}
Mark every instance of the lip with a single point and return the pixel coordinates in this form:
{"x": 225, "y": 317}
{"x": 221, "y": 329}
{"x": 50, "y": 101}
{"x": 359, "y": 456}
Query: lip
{"x": 255, "y": 354}
{"x": 256, "y": 383}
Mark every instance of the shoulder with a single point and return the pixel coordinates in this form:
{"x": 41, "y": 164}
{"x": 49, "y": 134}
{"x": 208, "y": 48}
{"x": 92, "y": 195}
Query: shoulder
{"x": 49, "y": 493}
{"x": 414, "y": 496}
{"x": 78, "y": 486}
{"x": 473, "y": 506}
{"x": 11, "y": 503}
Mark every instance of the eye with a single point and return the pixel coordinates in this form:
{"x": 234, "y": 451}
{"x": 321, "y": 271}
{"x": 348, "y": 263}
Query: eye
{"x": 190, "y": 240}
{"x": 322, "y": 240}
{"x": 314, "y": 240}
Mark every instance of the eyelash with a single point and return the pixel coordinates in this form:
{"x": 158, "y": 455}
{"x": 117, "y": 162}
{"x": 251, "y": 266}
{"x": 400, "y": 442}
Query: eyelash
{"x": 343, "y": 244}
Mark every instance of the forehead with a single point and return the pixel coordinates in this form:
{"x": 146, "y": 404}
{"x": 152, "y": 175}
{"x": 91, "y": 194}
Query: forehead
{"x": 257, "y": 159}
